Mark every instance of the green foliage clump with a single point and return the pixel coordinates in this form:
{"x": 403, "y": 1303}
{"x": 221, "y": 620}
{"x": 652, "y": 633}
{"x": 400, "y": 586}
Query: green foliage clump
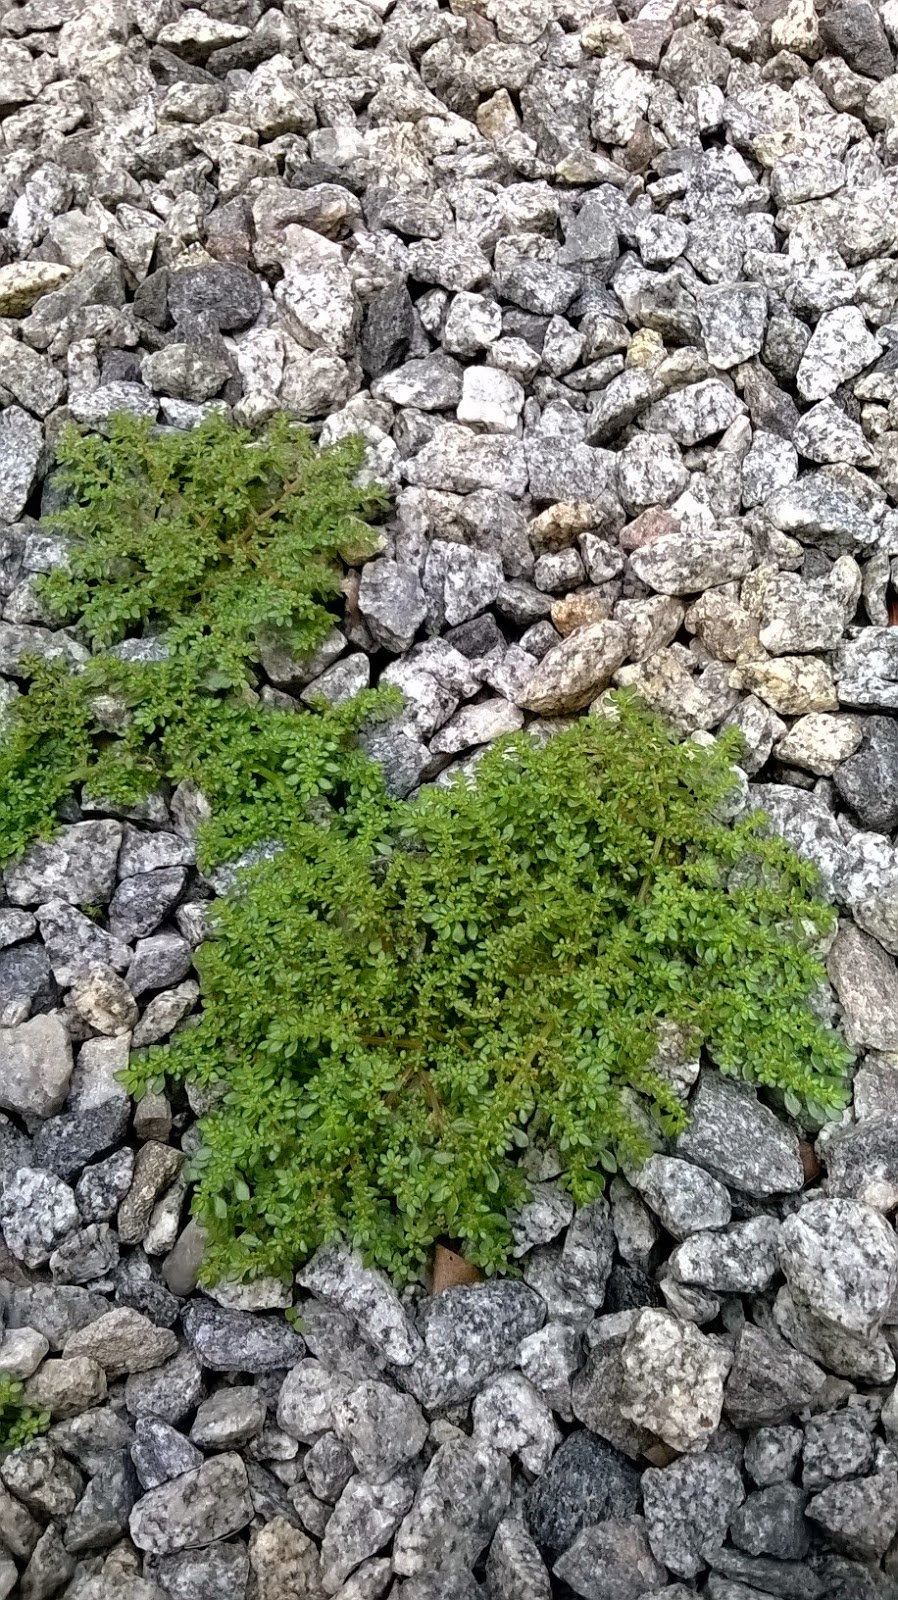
{"x": 203, "y": 545}
{"x": 397, "y": 1010}
{"x": 18, "y": 1422}
{"x": 211, "y": 538}
{"x": 407, "y": 996}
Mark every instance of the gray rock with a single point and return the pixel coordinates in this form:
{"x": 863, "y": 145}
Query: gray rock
{"x": 868, "y": 1358}
{"x": 743, "y": 1259}
{"x": 21, "y": 446}
{"x": 683, "y": 1197}
{"x": 860, "y": 1515}
{"x": 574, "y": 672}
{"x": 586, "y": 1482}
{"x": 739, "y": 1140}
{"x": 599, "y": 1390}
{"x": 338, "y": 1277}
{"x": 158, "y": 962}
{"x": 839, "y": 348}
{"x": 470, "y": 1334}
{"x": 78, "y": 865}
{"x": 31, "y": 379}
{"x": 35, "y": 1067}
{"x": 820, "y": 512}
{"x": 611, "y": 1561}
{"x": 863, "y": 1162}
{"x": 673, "y": 1379}
{"x": 381, "y": 1429}
{"x": 171, "y": 1392}
{"x": 228, "y": 292}
{"x": 512, "y": 1416}
{"x": 142, "y": 902}
{"x": 688, "y": 1506}
{"x": 388, "y": 328}
{"x": 772, "y": 1522}
{"x": 769, "y": 1381}
{"x": 122, "y": 1341}
{"x": 92, "y": 1252}
{"x": 308, "y": 1400}
{"x": 392, "y": 603}
{"x": 52, "y": 1310}
{"x": 50, "y": 1567}
{"x": 75, "y": 945}
{"x": 866, "y": 669}
{"x": 514, "y": 1567}
{"x": 364, "y": 1520}
{"x": 806, "y": 823}
{"x": 328, "y": 1467}
{"x": 687, "y": 563}
{"x": 101, "y": 1516}
{"x": 462, "y": 1498}
{"x": 865, "y": 979}
{"x": 67, "y": 1387}
{"x": 771, "y": 1454}
{"x": 733, "y": 319}
{"x": 160, "y": 1453}
{"x": 196, "y": 1509}
{"x": 156, "y": 1166}
{"x": 219, "y": 1569}
{"x": 695, "y": 412}
{"x": 867, "y": 780}
{"x": 37, "y": 1211}
{"x": 838, "y": 1445}
{"x": 27, "y": 985}
{"x": 229, "y": 1418}
{"x": 431, "y": 383}
{"x": 102, "y": 1187}
{"x": 840, "y": 1260}
{"x": 791, "y": 1579}
{"x": 238, "y": 1341}
{"x": 42, "y": 1479}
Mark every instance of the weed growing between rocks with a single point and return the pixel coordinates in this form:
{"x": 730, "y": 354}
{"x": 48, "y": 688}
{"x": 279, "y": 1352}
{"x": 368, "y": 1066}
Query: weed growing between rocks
{"x": 18, "y": 1421}
{"x": 411, "y": 1000}
{"x": 188, "y": 553}
{"x": 397, "y": 1013}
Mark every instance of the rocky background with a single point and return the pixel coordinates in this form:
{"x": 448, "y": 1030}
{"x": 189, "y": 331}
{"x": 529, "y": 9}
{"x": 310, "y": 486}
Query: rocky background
{"x": 609, "y": 293}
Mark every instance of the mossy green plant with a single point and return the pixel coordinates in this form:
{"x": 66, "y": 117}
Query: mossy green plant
{"x": 402, "y": 1004}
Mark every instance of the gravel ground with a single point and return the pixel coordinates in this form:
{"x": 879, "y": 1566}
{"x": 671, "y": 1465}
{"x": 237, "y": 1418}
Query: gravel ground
{"x": 610, "y": 295}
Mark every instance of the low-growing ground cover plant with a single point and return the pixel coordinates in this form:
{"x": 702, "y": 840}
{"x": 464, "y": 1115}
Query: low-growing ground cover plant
{"x": 18, "y": 1422}
{"x": 410, "y": 994}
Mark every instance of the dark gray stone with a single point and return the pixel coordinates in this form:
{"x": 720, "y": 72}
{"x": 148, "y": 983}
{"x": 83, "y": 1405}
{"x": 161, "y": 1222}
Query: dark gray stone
{"x": 769, "y": 1382}
{"x": 868, "y": 780}
{"x": 772, "y": 1522}
{"x": 159, "y": 1452}
{"x": 227, "y": 292}
{"x": 220, "y": 1569}
{"x": 101, "y": 1516}
{"x": 240, "y": 1341}
{"x": 585, "y": 1482}
{"x": 27, "y": 984}
{"x": 387, "y": 329}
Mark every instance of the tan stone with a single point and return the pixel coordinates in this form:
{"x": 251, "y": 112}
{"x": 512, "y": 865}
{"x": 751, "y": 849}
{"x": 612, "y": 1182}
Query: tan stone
{"x": 573, "y": 672}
